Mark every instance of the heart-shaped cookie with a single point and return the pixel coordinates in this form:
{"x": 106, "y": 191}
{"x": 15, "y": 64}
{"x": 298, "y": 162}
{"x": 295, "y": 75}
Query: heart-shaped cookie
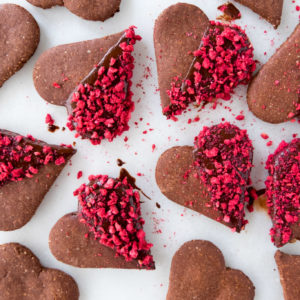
{"x": 211, "y": 179}
{"x": 198, "y": 271}
{"x": 107, "y": 231}
{"x": 20, "y": 36}
{"x": 28, "y": 168}
{"x": 23, "y": 277}
{"x": 100, "y": 107}
{"x": 283, "y": 192}
{"x": 190, "y": 73}
{"x": 269, "y": 9}
{"x": 289, "y": 270}
{"x": 274, "y": 93}
{"x": 95, "y": 10}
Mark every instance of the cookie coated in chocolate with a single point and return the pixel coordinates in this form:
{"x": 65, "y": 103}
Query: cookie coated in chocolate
{"x": 20, "y": 36}
{"x": 198, "y": 271}
{"x": 23, "y": 277}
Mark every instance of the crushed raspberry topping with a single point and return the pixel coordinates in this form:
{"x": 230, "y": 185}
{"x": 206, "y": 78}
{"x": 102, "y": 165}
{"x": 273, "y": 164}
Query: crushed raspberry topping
{"x": 283, "y": 190}
{"x": 223, "y": 61}
{"x": 223, "y": 158}
{"x": 111, "y": 209}
{"x": 22, "y": 157}
{"x": 101, "y": 106}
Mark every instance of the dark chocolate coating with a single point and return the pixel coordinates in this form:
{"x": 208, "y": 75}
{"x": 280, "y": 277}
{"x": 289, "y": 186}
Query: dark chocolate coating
{"x": 198, "y": 272}
{"x": 289, "y": 270}
{"x": 271, "y": 10}
{"x": 23, "y": 277}
{"x": 20, "y": 36}
{"x": 274, "y": 92}
{"x": 71, "y": 243}
{"x": 177, "y": 32}
{"x": 71, "y": 61}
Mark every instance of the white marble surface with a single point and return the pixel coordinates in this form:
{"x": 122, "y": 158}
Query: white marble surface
{"x": 22, "y": 110}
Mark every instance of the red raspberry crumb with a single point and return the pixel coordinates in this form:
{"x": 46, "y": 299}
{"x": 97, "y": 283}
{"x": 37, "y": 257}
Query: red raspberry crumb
{"x": 79, "y": 174}
{"x": 264, "y": 136}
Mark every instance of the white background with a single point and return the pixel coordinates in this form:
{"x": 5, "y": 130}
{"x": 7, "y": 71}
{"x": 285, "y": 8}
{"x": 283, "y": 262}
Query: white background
{"x": 23, "y": 110}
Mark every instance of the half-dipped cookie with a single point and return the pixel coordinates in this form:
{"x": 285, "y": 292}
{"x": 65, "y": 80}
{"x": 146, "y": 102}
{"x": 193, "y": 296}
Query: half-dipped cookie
{"x": 23, "y": 277}
{"x": 28, "y": 168}
{"x": 100, "y": 106}
{"x": 198, "y": 271}
{"x": 95, "y": 10}
{"x": 212, "y": 178}
{"x": 107, "y": 231}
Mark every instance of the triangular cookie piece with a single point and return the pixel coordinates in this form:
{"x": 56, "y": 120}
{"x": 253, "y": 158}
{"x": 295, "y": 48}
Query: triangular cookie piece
{"x": 28, "y": 168}
{"x": 107, "y": 231}
{"x": 289, "y": 270}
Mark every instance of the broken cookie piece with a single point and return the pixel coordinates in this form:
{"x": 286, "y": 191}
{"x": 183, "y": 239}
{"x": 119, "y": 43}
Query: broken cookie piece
{"x": 23, "y": 277}
{"x": 20, "y": 36}
{"x": 198, "y": 271}
{"x": 283, "y": 192}
{"x": 28, "y": 168}
{"x": 212, "y": 178}
{"x": 96, "y": 10}
{"x": 108, "y": 225}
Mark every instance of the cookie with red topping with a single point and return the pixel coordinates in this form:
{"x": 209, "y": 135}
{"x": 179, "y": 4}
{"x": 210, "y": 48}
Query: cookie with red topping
{"x": 23, "y": 277}
{"x": 107, "y": 231}
{"x": 20, "y": 36}
{"x": 270, "y": 10}
{"x": 289, "y": 270}
{"x": 283, "y": 192}
{"x": 198, "y": 271}
{"x": 281, "y": 76}
{"x": 212, "y": 71}
{"x": 100, "y": 106}
{"x": 28, "y": 168}
{"x": 212, "y": 178}
{"x": 96, "y": 10}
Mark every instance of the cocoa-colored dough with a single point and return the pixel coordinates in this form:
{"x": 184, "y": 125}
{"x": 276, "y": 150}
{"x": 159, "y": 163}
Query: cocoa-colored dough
{"x": 23, "y": 277}
{"x": 289, "y": 270}
{"x": 20, "y": 36}
{"x": 271, "y": 10}
{"x": 67, "y": 65}
{"x": 177, "y": 33}
{"x": 198, "y": 272}
{"x": 94, "y": 10}
{"x": 274, "y": 92}
{"x": 71, "y": 243}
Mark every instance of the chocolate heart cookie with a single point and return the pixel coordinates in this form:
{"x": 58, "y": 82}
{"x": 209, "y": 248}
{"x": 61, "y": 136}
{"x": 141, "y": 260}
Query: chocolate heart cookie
{"x": 198, "y": 271}
{"x": 274, "y": 93}
{"x": 95, "y": 10}
{"x": 28, "y": 168}
{"x": 20, "y": 36}
{"x": 289, "y": 270}
{"x": 189, "y": 73}
{"x": 23, "y": 277}
{"x": 212, "y": 178}
{"x": 100, "y": 106}
{"x": 271, "y": 10}
{"x": 107, "y": 231}
{"x": 283, "y": 192}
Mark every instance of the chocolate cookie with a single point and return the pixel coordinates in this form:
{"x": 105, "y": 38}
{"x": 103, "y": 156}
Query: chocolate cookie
{"x": 107, "y": 231}
{"x": 274, "y": 93}
{"x": 100, "y": 106}
{"x": 271, "y": 10}
{"x": 212, "y": 179}
{"x": 223, "y": 60}
{"x": 283, "y": 190}
{"x": 20, "y": 36}
{"x": 28, "y": 169}
{"x": 95, "y": 10}
{"x": 23, "y": 277}
{"x": 198, "y": 271}
{"x": 289, "y": 270}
